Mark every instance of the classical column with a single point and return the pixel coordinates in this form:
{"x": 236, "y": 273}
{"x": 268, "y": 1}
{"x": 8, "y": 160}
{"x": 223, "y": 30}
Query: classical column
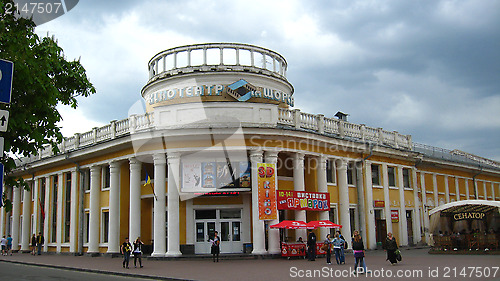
{"x": 36, "y": 206}
{"x": 322, "y": 187}
{"x": 372, "y": 236}
{"x": 493, "y": 191}
{"x": 416, "y": 216}
{"x": 160, "y": 248}
{"x": 361, "y": 199}
{"x": 403, "y": 224}
{"x": 299, "y": 185}
{"x": 25, "y": 236}
{"x": 46, "y": 208}
{"x": 73, "y": 221}
{"x": 273, "y": 234}
{"x": 95, "y": 191}
{"x": 457, "y": 189}
{"x": 258, "y": 230}
{"x": 435, "y": 190}
{"x": 16, "y": 214}
{"x": 484, "y": 191}
{"x": 174, "y": 184}
{"x": 467, "y": 193}
{"x": 59, "y": 214}
{"x": 387, "y": 200}
{"x": 425, "y": 208}
{"x": 344, "y": 214}
{"x": 114, "y": 207}
{"x": 135, "y": 199}
{"x": 446, "y": 189}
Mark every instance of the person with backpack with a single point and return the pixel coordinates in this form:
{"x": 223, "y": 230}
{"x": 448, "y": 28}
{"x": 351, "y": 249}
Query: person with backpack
{"x": 125, "y": 250}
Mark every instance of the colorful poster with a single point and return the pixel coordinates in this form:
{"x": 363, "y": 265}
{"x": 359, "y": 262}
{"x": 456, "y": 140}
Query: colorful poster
{"x": 223, "y": 175}
{"x": 395, "y": 215}
{"x": 303, "y": 200}
{"x": 208, "y": 174}
{"x": 191, "y": 176}
{"x": 267, "y": 191}
{"x": 244, "y": 172}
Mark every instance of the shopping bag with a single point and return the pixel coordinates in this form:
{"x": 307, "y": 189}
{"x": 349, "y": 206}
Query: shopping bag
{"x": 398, "y": 255}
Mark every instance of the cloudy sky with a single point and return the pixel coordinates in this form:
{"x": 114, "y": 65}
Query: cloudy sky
{"x": 426, "y": 68}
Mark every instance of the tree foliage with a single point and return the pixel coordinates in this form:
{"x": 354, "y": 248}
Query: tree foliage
{"x": 42, "y": 79}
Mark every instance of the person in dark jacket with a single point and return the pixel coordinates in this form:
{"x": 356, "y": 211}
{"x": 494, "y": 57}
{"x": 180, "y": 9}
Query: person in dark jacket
{"x": 33, "y": 244}
{"x": 215, "y": 248}
{"x": 391, "y": 246}
{"x": 311, "y": 245}
{"x": 39, "y": 243}
{"x": 328, "y": 242}
{"x": 359, "y": 252}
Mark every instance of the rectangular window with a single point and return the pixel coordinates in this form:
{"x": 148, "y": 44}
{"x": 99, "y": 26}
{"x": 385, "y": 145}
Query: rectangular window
{"x": 22, "y": 194}
{"x": 32, "y": 186}
{"x": 350, "y": 174}
{"x": 333, "y": 218}
{"x": 86, "y": 221}
{"x": 406, "y": 178}
{"x": 375, "y": 175}
{"x": 54, "y": 209}
{"x": 330, "y": 171}
{"x": 67, "y": 207}
{"x": 106, "y": 177}
{"x": 392, "y": 176}
{"x": 105, "y": 226}
{"x": 86, "y": 179}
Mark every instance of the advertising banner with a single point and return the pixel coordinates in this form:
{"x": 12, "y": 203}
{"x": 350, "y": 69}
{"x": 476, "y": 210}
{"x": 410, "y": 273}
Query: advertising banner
{"x": 213, "y": 176}
{"x": 395, "y": 215}
{"x": 303, "y": 200}
{"x": 267, "y": 191}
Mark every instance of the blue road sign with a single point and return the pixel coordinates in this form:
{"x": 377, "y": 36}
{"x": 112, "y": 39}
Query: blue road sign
{"x": 6, "y": 70}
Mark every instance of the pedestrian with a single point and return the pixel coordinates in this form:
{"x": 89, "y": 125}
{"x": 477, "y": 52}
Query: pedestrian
{"x": 359, "y": 253}
{"x": 33, "y": 244}
{"x": 311, "y": 245}
{"x": 3, "y": 242}
{"x": 328, "y": 243}
{"x": 342, "y": 250}
{"x": 391, "y": 246}
{"x": 9, "y": 245}
{"x": 355, "y": 233}
{"x": 338, "y": 244}
{"x": 138, "y": 252}
{"x": 215, "y": 247}
{"x": 39, "y": 242}
{"x": 125, "y": 250}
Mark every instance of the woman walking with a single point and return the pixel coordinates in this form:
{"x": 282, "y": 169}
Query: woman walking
{"x": 391, "y": 246}
{"x": 328, "y": 243}
{"x": 33, "y": 244}
{"x": 359, "y": 253}
{"x": 138, "y": 251}
{"x": 338, "y": 244}
{"x": 215, "y": 249}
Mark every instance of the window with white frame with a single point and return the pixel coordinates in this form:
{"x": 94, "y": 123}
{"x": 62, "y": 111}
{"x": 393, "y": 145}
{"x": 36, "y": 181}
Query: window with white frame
{"x": 85, "y": 174}
{"x": 53, "y": 237}
{"x": 67, "y": 205}
{"x": 104, "y": 225}
{"x": 106, "y": 177}
{"x": 32, "y": 188}
{"x": 391, "y": 172}
{"x": 86, "y": 221}
{"x": 350, "y": 173}
{"x": 406, "y": 178}
{"x": 333, "y": 218}
{"x": 375, "y": 174}
{"x": 330, "y": 171}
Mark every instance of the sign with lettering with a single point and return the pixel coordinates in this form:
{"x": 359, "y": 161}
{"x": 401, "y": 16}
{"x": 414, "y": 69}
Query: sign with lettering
{"x": 267, "y": 191}
{"x": 303, "y": 200}
{"x": 394, "y": 215}
{"x": 379, "y": 204}
{"x": 469, "y": 216}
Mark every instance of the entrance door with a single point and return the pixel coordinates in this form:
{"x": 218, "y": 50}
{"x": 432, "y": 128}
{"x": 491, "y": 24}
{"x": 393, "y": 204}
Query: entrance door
{"x": 205, "y": 230}
{"x": 230, "y": 235}
{"x": 409, "y": 223}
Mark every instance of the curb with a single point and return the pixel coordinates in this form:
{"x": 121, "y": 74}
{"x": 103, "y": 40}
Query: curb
{"x": 99, "y": 271}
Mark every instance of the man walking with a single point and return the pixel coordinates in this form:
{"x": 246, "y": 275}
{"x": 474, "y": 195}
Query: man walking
{"x": 39, "y": 243}
{"x": 126, "y": 249}
{"x": 9, "y": 245}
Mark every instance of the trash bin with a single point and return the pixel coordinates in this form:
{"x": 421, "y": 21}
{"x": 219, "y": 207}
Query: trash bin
{"x": 247, "y": 248}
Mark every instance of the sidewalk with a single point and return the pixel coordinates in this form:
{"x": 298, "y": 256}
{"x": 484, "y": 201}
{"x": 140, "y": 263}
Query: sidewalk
{"x": 248, "y": 269}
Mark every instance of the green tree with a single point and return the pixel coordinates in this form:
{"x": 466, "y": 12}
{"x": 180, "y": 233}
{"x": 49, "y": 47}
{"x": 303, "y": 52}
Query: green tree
{"x": 42, "y": 79}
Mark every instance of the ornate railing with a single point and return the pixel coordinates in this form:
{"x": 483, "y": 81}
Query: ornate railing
{"x": 319, "y": 123}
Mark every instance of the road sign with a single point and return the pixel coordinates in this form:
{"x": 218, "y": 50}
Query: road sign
{"x": 4, "y": 120}
{"x": 6, "y": 70}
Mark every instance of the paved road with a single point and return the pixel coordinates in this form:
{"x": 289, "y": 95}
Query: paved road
{"x": 417, "y": 265}
{"x": 21, "y": 272}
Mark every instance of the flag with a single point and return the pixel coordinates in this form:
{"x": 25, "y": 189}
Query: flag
{"x": 148, "y": 181}
{"x": 41, "y": 209}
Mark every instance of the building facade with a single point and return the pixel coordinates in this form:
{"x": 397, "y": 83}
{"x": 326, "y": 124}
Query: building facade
{"x": 188, "y": 167}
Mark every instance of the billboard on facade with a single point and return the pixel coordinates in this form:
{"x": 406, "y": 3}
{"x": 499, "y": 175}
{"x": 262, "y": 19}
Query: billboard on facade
{"x": 215, "y": 175}
{"x": 303, "y": 200}
{"x": 267, "y": 191}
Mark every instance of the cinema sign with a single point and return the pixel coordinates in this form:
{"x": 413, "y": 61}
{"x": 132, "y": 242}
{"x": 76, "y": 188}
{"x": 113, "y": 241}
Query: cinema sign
{"x": 468, "y": 216}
